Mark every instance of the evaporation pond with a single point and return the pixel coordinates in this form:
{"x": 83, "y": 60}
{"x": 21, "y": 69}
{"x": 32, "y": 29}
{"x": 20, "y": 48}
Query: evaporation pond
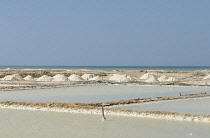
{"x": 193, "y": 106}
{"x": 99, "y": 93}
{"x": 26, "y": 123}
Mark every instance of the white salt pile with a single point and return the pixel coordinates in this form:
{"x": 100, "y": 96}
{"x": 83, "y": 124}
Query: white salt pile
{"x": 207, "y": 77}
{"x": 120, "y": 78}
{"x": 44, "y": 78}
{"x": 74, "y": 77}
{"x": 151, "y": 80}
{"x": 29, "y": 78}
{"x": 18, "y": 77}
{"x": 171, "y": 79}
{"x": 147, "y": 76}
{"x": 14, "y": 77}
{"x": 96, "y": 78}
{"x": 59, "y": 78}
{"x": 87, "y": 76}
{"x": 162, "y": 78}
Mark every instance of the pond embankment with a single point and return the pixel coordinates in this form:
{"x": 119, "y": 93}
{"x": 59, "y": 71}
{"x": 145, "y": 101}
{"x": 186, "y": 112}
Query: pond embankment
{"x": 94, "y": 108}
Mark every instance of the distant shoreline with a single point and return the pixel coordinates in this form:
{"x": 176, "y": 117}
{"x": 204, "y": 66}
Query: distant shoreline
{"x": 170, "y": 68}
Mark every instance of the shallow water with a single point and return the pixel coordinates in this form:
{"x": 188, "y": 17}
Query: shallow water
{"x": 25, "y": 123}
{"x": 97, "y": 93}
{"x": 193, "y": 106}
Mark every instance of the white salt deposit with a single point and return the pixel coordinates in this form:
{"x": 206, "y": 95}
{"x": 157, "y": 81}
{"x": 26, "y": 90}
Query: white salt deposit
{"x": 207, "y": 77}
{"x": 96, "y": 78}
{"x": 29, "y": 78}
{"x": 9, "y": 78}
{"x": 87, "y": 76}
{"x": 162, "y": 78}
{"x": 147, "y": 76}
{"x": 14, "y": 77}
{"x": 60, "y": 77}
{"x": 17, "y": 76}
{"x": 44, "y": 78}
{"x": 171, "y": 79}
{"x": 120, "y": 78}
{"x": 74, "y": 77}
{"x": 151, "y": 80}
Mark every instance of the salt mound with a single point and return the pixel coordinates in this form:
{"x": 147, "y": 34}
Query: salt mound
{"x": 18, "y": 77}
{"x": 207, "y": 77}
{"x": 74, "y": 77}
{"x": 14, "y": 77}
{"x": 96, "y": 78}
{"x": 29, "y": 78}
{"x": 87, "y": 76}
{"x": 147, "y": 76}
{"x": 151, "y": 80}
{"x": 44, "y": 78}
{"x": 60, "y": 77}
{"x": 163, "y": 78}
{"x": 120, "y": 78}
{"x": 171, "y": 79}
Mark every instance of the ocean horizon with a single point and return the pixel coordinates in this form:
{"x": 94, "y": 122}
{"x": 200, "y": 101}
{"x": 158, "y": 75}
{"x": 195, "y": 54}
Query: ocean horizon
{"x": 170, "y": 68}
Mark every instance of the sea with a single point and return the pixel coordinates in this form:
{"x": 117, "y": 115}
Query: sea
{"x": 170, "y": 68}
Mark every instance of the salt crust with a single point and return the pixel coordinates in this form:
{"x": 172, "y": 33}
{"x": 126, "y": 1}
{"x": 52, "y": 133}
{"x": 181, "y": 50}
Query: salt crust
{"x": 29, "y": 78}
{"x": 87, "y": 76}
{"x": 14, "y": 77}
{"x": 60, "y": 77}
{"x": 120, "y": 78}
{"x": 96, "y": 78}
{"x": 74, "y": 77}
{"x": 162, "y": 78}
{"x": 171, "y": 79}
{"x": 44, "y": 78}
{"x": 147, "y": 76}
{"x": 128, "y": 113}
{"x": 207, "y": 77}
{"x": 151, "y": 80}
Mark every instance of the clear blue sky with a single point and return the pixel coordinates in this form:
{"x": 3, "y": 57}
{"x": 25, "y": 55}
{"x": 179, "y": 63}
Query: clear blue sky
{"x": 105, "y": 32}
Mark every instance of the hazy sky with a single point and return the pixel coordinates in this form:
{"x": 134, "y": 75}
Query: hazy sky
{"x": 105, "y": 32}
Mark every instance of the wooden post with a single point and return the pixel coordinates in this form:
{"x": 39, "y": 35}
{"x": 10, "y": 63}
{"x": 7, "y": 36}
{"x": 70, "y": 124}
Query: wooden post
{"x": 103, "y": 116}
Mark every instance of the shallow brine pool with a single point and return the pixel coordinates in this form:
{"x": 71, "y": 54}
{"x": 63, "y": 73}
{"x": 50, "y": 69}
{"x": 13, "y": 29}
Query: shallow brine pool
{"x": 193, "y": 106}
{"x": 25, "y": 123}
{"x": 100, "y": 93}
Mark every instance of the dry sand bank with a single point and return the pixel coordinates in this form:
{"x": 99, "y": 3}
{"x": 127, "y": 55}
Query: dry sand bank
{"x": 93, "y": 108}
